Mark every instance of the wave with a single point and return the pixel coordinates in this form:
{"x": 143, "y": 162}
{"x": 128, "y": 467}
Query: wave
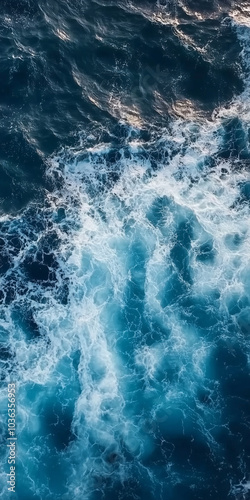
{"x": 126, "y": 303}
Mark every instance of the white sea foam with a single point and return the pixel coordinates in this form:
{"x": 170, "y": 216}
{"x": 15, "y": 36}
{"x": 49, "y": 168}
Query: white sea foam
{"x": 208, "y": 202}
{"x": 117, "y": 253}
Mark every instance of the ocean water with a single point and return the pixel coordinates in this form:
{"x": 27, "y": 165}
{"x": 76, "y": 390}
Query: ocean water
{"x": 124, "y": 248}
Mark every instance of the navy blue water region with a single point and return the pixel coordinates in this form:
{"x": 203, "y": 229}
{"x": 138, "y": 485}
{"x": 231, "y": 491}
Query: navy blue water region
{"x": 124, "y": 248}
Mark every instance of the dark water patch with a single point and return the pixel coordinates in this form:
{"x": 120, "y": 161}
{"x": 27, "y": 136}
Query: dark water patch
{"x": 204, "y": 396}
{"x": 63, "y": 63}
{"x": 19, "y": 7}
{"x": 188, "y": 451}
{"x": 182, "y": 490}
{"x": 5, "y": 353}
{"x": 57, "y": 421}
{"x": 63, "y": 290}
{"x": 5, "y": 263}
{"x": 176, "y": 289}
{"x": 50, "y": 241}
{"x": 179, "y": 252}
{"x": 198, "y": 492}
{"x": 130, "y": 489}
{"x": 230, "y": 369}
{"x": 25, "y": 320}
{"x": 15, "y": 244}
{"x": 237, "y": 383}
{"x": 26, "y": 495}
{"x": 206, "y": 252}
{"x": 243, "y": 322}
{"x": 10, "y": 246}
{"x": 21, "y": 172}
{"x": 52, "y": 473}
{"x": 41, "y": 264}
{"x": 227, "y": 360}
{"x": 37, "y": 271}
{"x": 237, "y": 303}
{"x": 231, "y": 446}
{"x": 201, "y": 311}
{"x": 245, "y": 192}
{"x": 237, "y": 412}
{"x": 61, "y": 214}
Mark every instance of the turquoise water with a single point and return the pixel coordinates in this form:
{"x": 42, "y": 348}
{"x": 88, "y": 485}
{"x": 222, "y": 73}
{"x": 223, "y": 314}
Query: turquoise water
{"x": 125, "y": 298}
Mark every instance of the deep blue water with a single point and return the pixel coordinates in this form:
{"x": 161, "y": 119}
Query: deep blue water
{"x": 124, "y": 248}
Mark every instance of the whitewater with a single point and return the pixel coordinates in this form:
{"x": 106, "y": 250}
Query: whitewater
{"x": 129, "y": 342}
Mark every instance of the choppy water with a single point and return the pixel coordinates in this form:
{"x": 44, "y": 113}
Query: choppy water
{"x": 125, "y": 243}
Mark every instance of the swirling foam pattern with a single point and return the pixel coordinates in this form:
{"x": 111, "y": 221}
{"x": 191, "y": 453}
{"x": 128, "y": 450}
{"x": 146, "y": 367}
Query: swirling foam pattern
{"x": 125, "y": 297}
